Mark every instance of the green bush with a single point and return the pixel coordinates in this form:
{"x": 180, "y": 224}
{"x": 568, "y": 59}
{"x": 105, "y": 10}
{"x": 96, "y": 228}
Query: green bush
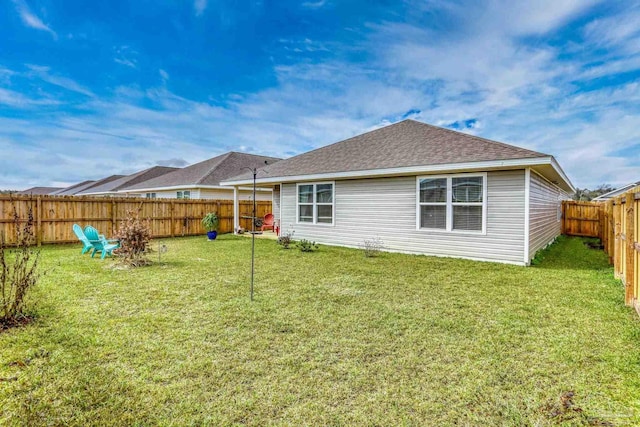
{"x": 307, "y": 245}
{"x": 286, "y": 239}
{"x": 211, "y": 221}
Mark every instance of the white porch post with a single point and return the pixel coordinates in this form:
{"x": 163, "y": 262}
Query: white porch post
{"x": 236, "y": 211}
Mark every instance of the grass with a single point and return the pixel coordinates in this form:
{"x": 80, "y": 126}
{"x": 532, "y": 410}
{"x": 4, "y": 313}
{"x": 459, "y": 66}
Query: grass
{"x": 332, "y": 338}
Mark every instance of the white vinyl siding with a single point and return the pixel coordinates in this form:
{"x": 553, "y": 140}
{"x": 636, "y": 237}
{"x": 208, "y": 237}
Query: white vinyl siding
{"x": 544, "y": 223}
{"x": 213, "y": 193}
{"x": 228, "y": 194}
{"x": 275, "y": 203}
{"x": 386, "y": 207}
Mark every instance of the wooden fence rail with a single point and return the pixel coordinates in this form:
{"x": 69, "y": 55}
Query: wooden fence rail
{"x": 54, "y": 216}
{"x": 618, "y": 227}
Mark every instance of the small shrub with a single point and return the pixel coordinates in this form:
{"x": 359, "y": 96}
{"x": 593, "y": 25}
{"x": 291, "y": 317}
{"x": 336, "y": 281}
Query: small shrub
{"x": 210, "y": 221}
{"x": 18, "y": 271}
{"x": 372, "y": 247}
{"x": 307, "y": 245}
{"x": 134, "y": 235}
{"x": 286, "y": 239}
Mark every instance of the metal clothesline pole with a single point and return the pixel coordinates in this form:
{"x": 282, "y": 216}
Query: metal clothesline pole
{"x": 253, "y": 230}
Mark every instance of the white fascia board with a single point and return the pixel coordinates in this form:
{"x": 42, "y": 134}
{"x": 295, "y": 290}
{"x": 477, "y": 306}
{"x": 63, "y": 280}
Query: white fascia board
{"x": 409, "y": 170}
{"x": 565, "y": 178}
{"x": 97, "y": 193}
{"x": 187, "y": 187}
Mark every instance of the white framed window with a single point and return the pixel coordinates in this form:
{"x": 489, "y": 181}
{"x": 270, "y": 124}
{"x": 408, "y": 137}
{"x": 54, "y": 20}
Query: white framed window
{"x": 150, "y": 195}
{"x": 452, "y": 203}
{"x": 315, "y": 203}
{"x": 183, "y": 194}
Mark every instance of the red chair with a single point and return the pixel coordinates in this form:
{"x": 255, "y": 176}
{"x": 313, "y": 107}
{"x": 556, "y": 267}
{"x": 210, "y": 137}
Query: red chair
{"x": 268, "y": 222}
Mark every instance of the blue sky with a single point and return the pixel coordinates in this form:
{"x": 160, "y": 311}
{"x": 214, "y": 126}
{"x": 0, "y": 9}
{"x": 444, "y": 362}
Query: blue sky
{"x": 89, "y": 89}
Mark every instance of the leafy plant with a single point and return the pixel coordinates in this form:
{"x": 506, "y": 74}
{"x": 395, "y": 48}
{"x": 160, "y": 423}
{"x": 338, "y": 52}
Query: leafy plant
{"x": 372, "y": 247}
{"x": 134, "y": 235}
{"x": 286, "y": 239}
{"x": 211, "y": 221}
{"x": 307, "y": 245}
{"x": 18, "y": 270}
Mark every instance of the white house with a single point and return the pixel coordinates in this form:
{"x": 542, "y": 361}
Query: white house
{"x": 421, "y": 189}
{"x": 617, "y": 192}
{"x": 202, "y": 180}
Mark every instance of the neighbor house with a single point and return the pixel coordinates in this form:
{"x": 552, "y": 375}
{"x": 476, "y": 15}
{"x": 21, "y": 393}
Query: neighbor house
{"x": 202, "y": 180}
{"x": 112, "y": 187}
{"x": 421, "y": 189}
{"x": 39, "y": 191}
{"x": 73, "y": 189}
{"x": 617, "y": 192}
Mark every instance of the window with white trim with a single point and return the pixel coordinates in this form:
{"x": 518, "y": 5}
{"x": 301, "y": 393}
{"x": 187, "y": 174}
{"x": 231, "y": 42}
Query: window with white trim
{"x": 452, "y": 203}
{"x": 315, "y": 203}
{"x": 183, "y": 194}
{"x": 151, "y": 195}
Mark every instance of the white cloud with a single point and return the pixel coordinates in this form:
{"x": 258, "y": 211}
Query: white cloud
{"x": 127, "y": 62}
{"x": 18, "y": 100}
{"x": 314, "y": 4}
{"x": 199, "y": 6}
{"x": 43, "y": 73}
{"x": 30, "y": 19}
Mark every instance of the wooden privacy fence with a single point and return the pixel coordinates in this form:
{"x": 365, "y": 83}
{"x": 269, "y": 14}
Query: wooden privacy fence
{"x": 54, "y": 216}
{"x": 582, "y": 218}
{"x": 617, "y": 223}
{"x": 621, "y": 241}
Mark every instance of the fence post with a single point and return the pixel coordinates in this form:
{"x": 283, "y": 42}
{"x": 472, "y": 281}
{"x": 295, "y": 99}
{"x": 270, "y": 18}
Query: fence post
{"x": 612, "y": 232}
{"x": 173, "y": 218}
{"x": 600, "y": 222}
{"x": 630, "y": 248}
{"x": 39, "y": 221}
{"x": 114, "y": 207}
{"x": 564, "y": 217}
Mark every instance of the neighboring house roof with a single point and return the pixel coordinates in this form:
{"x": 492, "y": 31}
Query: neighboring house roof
{"x": 76, "y": 191}
{"x": 207, "y": 173}
{"x": 73, "y": 189}
{"x": 616, "y": 192}
{"x": 40, "y": 190}
{"x": 124, "y": 181}
{"x": 402, "y": 147}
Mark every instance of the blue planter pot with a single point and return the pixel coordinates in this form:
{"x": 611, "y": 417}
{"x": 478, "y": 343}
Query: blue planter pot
{"x": 212, "y": 235}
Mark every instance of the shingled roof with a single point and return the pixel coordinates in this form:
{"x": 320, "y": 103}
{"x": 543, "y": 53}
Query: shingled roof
{"x": 40, "y": 190}
{"x": 403, "y": 144}
{"x": 125, "y": 181}
{"x": 75, "y": 188}
{"x": 206, "y": 173}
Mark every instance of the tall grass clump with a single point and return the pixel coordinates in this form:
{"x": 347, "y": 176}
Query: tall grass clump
{"x": 134, "y": 235}
{"x": 18, "y": 270}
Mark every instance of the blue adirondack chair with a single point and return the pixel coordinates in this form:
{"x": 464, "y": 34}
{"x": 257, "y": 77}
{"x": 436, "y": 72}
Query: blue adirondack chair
{"x": 85, "y": 242}
{"x": 100, "y": 243}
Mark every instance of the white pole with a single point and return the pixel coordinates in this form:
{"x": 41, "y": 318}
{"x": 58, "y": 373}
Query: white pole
{"x": 236, "y": 211}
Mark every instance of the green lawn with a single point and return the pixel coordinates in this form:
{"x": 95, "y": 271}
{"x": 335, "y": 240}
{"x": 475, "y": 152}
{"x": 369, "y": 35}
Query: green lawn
{"x": 332, "y": 338}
